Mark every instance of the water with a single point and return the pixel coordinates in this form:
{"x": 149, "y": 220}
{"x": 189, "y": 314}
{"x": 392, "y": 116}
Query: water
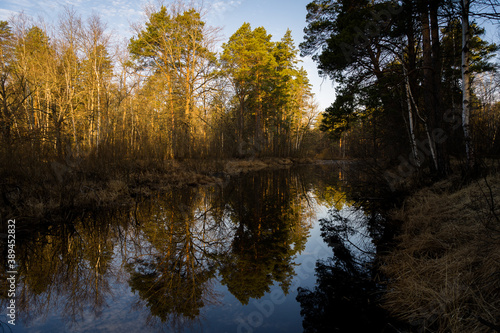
{"x": 244, "y": 256}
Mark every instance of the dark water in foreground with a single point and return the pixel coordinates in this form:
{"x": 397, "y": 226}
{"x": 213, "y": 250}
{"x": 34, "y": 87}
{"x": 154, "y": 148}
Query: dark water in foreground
{"x": 272, "y": 251}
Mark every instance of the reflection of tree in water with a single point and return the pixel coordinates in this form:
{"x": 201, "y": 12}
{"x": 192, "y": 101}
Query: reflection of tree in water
{"x": 248, "y": 232}
{"x": 345, "y": 298}
{"x": 66, "y": 267}
{"x": 172, "y": 293}
{"x": 270, "y": 230}
{"x": 172, "y": 263}
{"x": 173, "y": 247}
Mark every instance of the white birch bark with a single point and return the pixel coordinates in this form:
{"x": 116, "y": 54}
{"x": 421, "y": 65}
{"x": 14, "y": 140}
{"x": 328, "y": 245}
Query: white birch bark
{"x": 466, "y": 93}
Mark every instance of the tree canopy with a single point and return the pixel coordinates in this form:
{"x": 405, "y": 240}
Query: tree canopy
{"x": 398, "y": 64}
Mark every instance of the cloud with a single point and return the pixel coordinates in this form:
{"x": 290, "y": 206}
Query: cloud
{"x": 219, "y": 7}
{"x": 5, "y": 14}
{"x": 17, "y": 3}
{"x": 119, "y": 15}
{"x": 75, "y": 3}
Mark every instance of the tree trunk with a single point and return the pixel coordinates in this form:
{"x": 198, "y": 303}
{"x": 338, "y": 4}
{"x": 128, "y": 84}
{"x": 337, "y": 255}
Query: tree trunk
{"x": 430, "y": 85}
{"x": 58, "y": 131}
{"x": 441, "y": 154}
{"x": 172, "y": 117}
{"x": 241, "y": 124}
{"x": 413, "y": 141}
{"x": 258, "y": 114}
{"x": 98, "y": 129}
{"x": 5, "y": 116}
{"x": 187, "y": 118}
{"x": 466, "y": 94}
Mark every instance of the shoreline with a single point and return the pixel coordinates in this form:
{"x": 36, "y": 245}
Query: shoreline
{"x": 65, "y": 187}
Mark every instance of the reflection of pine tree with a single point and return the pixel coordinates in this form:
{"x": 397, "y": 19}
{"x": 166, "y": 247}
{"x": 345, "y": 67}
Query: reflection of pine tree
{"x": 266, "y": 210}
{"x": 170, "y": 291}
{"x": 345, "y": 298}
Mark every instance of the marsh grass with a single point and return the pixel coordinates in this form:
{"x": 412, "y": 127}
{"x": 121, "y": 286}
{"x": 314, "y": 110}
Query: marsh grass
{"x": 33, "y": 187}
{"x": 445, "y": 274}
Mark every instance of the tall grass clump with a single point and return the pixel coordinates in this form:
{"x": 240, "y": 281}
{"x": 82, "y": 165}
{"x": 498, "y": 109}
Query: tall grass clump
{"x": 445, "y": 274}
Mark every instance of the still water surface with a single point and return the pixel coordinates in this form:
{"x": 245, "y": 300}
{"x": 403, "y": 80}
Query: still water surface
{"x": 247, "y": 255}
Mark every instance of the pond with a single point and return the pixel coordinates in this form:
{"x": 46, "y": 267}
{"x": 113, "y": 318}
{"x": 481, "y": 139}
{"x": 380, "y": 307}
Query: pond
{"x": 283, "y": 250}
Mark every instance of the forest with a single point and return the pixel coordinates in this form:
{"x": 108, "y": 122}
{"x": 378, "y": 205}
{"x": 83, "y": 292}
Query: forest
{"x": 164, "y": 107}
{"x": 416, "y": 83}
{"x": 416, "y": 86}
{"x": 167, "y": 94}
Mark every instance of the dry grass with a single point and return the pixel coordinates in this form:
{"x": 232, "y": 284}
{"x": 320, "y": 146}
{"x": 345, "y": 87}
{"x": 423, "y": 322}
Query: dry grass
{"x": 238, "y": 166}
{"x": 445, "y": 274}
{"x": 39, "y": 189}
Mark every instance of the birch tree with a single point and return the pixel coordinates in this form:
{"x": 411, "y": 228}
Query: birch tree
{"x": 97, "y": 72}
{"x": 466, "y": 93}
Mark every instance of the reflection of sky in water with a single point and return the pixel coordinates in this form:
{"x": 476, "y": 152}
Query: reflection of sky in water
{"x": 279, "y": 316}
{"x": 123, "y": 310}
{"x": 120, "y": 314}
{"x": 117, "y": 316}
{"x": 359, "y": 242}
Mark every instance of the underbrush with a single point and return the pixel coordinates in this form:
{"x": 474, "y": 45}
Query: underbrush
{"x": 445, "y": 274}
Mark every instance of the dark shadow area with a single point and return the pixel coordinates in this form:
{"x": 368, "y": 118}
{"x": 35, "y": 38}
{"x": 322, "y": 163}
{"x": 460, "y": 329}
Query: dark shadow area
{"x": 348, "y": 291}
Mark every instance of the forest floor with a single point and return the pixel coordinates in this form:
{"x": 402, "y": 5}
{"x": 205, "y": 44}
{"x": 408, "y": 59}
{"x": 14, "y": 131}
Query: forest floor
{"x": 444, "y": 276}
{"x": 51, "y": 190}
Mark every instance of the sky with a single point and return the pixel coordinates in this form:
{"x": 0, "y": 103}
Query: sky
{"x": 276, "y": 16}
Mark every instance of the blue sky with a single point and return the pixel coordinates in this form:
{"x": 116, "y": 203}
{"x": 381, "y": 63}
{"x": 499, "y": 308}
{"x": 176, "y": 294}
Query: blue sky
{"x": 274, "y": 15}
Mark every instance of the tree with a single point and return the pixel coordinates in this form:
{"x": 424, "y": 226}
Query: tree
{"x": 97, "y": 71}
{"x": 431, "y": 61}
{"x": 383, "y": 52}
{"x": 290, "y": 98}
{"x": 465, "y": 13}
{"x": 247, "y": 58}
{"x": 356, "y": 45}
{"x": 6, "y": 58}
{"x": 176, "y": 44}
{"x": 67, "y": 43}
{"x": 270, "y": 89}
